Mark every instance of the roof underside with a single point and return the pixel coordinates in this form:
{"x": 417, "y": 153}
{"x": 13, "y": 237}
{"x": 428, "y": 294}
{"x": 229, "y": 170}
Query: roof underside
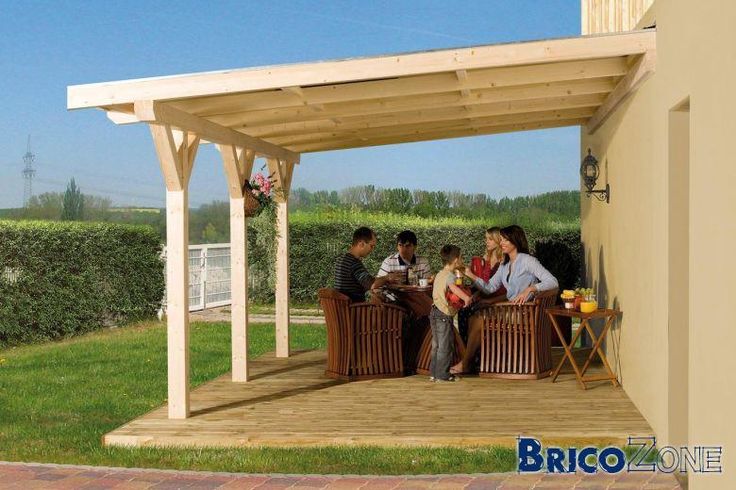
{"x": 391, "y": 99}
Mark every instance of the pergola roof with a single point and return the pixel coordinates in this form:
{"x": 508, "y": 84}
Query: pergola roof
{"x": 281, "y": 111}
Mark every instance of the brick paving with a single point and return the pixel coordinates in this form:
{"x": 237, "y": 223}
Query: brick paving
{"x": 31, "y": 476}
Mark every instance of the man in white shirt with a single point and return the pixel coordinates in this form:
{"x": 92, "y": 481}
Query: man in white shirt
{"x": 405, "y": 257}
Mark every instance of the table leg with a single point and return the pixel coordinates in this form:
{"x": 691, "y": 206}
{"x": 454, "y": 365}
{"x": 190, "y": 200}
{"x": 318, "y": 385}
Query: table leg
{"x": 568, "y": 352}
{"x": 597, "y": 349}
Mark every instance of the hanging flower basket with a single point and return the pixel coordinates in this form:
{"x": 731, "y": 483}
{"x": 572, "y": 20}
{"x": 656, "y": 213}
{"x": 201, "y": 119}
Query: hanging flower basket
{"x": 258, "y": 195}
{"x": 252, "y": 204}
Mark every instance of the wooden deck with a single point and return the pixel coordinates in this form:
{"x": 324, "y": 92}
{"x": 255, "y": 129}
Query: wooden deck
{"x": 289, "y": 402}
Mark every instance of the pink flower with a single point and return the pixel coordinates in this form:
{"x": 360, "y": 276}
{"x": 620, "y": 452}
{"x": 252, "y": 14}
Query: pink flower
{"x": 266, "y": 187}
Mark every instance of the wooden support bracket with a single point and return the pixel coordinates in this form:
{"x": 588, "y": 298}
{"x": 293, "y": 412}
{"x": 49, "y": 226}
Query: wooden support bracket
{"x": 643, "y": 68}
{"x": 161, "y": 113}
{"x": 281, "y": 172}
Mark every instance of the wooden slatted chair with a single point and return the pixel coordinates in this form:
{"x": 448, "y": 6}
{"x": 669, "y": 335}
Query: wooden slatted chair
{"x": 516, "y": 340}
{"x": 363, "y": 339}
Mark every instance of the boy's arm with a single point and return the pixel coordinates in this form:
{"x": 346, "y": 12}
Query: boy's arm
{"x": 461, "y": 294}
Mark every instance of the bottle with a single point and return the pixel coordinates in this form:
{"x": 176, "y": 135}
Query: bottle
{"x": 405, "y": 274}
{"x": 458, "y": 278}
{"x": 411, "y": 276}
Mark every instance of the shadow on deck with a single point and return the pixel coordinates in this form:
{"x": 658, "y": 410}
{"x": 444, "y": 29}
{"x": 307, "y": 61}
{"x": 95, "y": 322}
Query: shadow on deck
{"x": 289, "y": 402}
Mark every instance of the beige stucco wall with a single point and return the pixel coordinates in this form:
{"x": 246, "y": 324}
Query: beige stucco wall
{"x": 626, "y": 241}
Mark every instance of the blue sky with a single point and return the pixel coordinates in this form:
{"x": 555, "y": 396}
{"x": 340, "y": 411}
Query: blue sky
{"x": 47, "y": 45}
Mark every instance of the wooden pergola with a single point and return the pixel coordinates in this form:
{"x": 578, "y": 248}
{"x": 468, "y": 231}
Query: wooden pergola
{"x": 280, "y": 112}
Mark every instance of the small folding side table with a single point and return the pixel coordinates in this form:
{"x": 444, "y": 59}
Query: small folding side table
{"x": 610, "y": 316}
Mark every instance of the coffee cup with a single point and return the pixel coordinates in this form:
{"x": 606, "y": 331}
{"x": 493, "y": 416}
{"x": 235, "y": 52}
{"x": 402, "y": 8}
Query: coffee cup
{"x": 423, "y": 283}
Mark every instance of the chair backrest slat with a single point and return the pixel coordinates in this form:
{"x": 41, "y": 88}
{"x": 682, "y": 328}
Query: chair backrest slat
{"x": 516, "y": 339}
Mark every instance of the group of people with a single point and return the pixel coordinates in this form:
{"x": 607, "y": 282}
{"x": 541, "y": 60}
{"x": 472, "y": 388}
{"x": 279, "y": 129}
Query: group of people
{"x": 506, "y": 272}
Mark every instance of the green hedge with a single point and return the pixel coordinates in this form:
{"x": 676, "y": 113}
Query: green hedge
{"x": 64, "y": 278}
{"x": 316, "y": 242}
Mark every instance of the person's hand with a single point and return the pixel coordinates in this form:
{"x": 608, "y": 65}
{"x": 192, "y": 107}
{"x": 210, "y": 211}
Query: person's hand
{"x": 468, "y": 301}
{"x": 470, "y": 274}
{"x": 523, "y": 296}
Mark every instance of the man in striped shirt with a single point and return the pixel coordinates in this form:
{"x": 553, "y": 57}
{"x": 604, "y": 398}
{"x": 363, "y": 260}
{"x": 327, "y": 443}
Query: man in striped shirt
{"x": 351, "y": 277}
{"x": 406, "y": 243}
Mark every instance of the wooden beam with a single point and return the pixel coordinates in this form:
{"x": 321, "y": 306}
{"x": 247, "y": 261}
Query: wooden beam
{"x": 438, "y": 135}
{"x": 433, "y": 127}
{"x": 121, "y": 117}
{"x": 298, "y": 91}
{"x": 410, "y": 86}
{"x": 429, "y": 115}
{"x": 282, "y": 279}
{"x": 638, "y": 74}
{"x": 168, "y": 156}
{"x": 238, "y": 164}
{"x": 350, "y": 70}
{"x": 177, "y": 302}
{"x": 282, "y": 172}
{"x": 176, "y": 151}
{"x": 249, "y": 120}
{"x": 239, "y": 290}
{"x": 160, "y": 113}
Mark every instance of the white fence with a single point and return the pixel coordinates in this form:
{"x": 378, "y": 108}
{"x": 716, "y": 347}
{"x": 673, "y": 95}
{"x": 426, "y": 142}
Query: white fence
{"x": 209, "y": 276}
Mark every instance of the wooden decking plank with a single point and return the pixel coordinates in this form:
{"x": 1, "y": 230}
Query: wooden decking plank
{"x": 290, "y": 402}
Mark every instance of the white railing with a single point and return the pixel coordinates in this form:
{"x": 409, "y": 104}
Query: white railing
{"x": 209, "y": 276}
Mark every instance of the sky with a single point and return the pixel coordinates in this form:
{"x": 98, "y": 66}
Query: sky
{"x": 47, "y": 45}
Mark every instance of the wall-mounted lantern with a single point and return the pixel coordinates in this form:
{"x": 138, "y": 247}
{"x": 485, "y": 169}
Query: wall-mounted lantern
{"x": 589, "y": 172}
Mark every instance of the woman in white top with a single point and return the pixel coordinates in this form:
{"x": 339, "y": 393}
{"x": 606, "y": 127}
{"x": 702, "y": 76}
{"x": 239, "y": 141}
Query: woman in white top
{"x": 521, "y": 274}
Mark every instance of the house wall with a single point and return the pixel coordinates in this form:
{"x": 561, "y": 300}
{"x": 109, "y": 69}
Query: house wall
{"x": 602, "y": 16}
{"x": 626, "y": 241}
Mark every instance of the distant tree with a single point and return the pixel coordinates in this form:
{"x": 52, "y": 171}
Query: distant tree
{"x": 73, "y": 203}
{"x": 209, "y": 234}
{"x": 44, "y": 206}
{"x": 397, "y": 201}
{"x": 96, "y": 208}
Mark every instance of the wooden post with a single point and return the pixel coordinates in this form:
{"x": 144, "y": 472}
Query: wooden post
{"x": 177, "y": 305}
{"x": 238, "y": 164}
{"x": 282, "y": 279}
{"x": 281, "y": 171}
{"x": 176, "y": 152}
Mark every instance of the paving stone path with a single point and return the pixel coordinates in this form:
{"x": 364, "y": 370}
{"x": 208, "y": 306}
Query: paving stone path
{"x": 31, "y": 476}
{"x": 223, "y": 315}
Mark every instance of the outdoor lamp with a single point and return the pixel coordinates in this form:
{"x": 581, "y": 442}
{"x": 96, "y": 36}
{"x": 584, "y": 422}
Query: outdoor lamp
{"x": 589, "y": 172}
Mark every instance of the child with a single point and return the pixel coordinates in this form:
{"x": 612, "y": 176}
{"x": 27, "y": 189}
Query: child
{"x": 440, "y": 318}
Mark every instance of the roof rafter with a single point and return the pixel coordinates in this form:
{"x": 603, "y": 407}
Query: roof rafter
{"x": 428, "y": 115}
{"x": 419, "y": 128}
{"x": 386, "y": 106}
{"x": 438, "y": 135}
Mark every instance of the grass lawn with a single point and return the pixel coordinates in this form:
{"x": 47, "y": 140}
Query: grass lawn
{"x": 58, "y": 399}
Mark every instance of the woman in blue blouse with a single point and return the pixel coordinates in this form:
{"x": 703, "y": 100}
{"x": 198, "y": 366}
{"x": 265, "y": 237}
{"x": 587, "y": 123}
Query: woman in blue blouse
{"x": 521, "y": 274}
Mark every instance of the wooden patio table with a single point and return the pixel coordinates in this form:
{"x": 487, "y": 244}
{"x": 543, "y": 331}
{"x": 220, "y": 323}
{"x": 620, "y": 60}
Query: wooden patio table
{"x": 417, "y": 298}
{"x": 609, "y": 315}
{"x": 418, "y": 341}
